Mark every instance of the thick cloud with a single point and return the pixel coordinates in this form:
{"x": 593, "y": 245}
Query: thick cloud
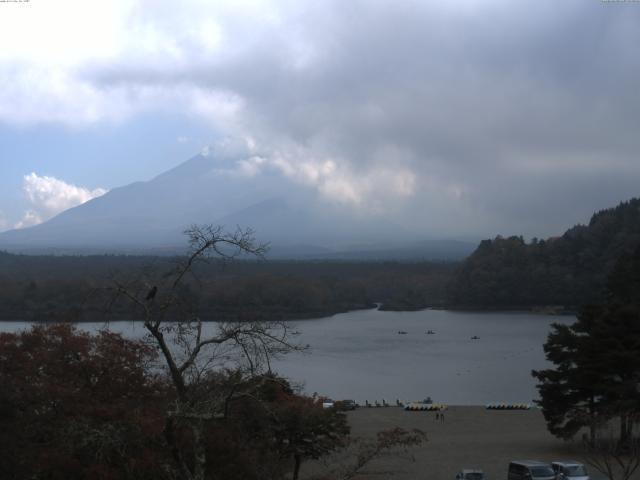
{"x": 462, "y": 117}
{"x": 49, "y": 196}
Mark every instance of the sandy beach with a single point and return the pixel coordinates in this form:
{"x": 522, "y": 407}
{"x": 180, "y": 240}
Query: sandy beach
{"x": 469, "y": 437}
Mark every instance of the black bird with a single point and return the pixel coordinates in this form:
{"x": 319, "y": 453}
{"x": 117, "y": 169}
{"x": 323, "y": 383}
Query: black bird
{"x": 152, "y": 293}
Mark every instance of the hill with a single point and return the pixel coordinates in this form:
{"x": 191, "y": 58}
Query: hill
{"x": 566, "y": 271}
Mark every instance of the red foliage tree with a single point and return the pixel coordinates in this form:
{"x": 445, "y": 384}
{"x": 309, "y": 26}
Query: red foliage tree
{"x": 74, "y": 405}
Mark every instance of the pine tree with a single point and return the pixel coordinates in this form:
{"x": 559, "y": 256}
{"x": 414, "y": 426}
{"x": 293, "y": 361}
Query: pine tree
{"x": 597, "y": 361}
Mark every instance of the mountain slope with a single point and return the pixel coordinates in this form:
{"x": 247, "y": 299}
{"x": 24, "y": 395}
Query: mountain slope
{"x": 144, "y": 213}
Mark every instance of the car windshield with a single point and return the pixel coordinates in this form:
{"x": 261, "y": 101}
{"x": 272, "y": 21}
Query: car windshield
{"x": 575, "y": 471}
{"x": 474, "y": 476}
{"x": 542, "y": 472}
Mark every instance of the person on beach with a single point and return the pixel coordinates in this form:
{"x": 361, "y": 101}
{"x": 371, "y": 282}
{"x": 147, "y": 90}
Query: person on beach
{"x": 442, "y": 417}
{"x": 437, "y": 416}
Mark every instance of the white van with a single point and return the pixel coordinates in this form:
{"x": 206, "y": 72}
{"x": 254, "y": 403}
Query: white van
{"x": 570, "y": 470}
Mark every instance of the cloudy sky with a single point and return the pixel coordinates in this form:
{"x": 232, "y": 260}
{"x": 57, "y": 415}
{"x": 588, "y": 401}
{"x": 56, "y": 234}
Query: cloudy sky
{"x": 469, "y": 117}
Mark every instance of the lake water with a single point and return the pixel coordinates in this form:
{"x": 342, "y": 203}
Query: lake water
{"x": 361, "y": 355}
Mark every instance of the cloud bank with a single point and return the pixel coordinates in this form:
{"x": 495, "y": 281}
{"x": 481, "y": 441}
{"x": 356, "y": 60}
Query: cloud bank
{"x": 465, "y": 116}
{"x": 49, "y": 196}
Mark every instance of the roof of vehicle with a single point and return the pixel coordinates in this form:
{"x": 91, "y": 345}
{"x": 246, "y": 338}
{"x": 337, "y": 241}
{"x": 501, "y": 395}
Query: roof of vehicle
{"x": 568, "y": 463}
{"x": 470, "y": 473}
{"x": 531, "y": 463}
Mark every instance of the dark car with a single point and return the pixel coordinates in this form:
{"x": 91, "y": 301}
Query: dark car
{"x": 471, "y": 474}
{"x": 530, "y": 470}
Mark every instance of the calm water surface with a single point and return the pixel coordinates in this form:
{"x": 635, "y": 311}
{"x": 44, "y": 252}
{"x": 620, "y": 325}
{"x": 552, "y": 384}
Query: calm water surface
{"x": 360, "y": 355}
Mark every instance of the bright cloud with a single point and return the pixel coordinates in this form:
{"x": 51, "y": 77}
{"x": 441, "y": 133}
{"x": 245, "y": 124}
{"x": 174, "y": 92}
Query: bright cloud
{"x": 459, "y": 107}
{"x": 369, "y": 190}
{"x": 49, "y": 196}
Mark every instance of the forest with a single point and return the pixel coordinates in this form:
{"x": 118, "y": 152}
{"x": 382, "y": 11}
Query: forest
{"x": 566, "y": 271}
{"x": 76, "y": 288}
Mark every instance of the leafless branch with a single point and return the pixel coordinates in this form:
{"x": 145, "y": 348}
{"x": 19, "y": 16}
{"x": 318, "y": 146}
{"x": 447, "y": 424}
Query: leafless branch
{"x": 612, "y": 459}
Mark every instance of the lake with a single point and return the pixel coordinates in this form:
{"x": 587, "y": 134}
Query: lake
{"x": 360, "y": 355}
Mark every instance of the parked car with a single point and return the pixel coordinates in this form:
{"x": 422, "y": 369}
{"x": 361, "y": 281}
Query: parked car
{"x": 530, "y": 470}
{"x": 327, "y": 403}
{"x": 471, "y": 474}
{"x": 346, "y": 405}
{"x": 570, "y": 469}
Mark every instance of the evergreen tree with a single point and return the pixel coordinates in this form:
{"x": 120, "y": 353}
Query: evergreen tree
{"x": 571, "y": 394}
{"x": 597, "y": 361}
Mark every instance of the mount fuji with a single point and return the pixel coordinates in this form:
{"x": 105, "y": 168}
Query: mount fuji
{"x": 149, "y": 217}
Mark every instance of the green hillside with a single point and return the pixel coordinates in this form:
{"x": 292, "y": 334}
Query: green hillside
{"x": 565, "y": 271}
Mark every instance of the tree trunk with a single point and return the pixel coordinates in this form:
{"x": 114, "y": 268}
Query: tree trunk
{"x": 624, "y": 430}
{"x": 296, "y": 466}
{"x": 592, "y": 423}
{"x": 169, "y": 434}
{"x": 592, "y": 434}
{"x": 199, "y": 450}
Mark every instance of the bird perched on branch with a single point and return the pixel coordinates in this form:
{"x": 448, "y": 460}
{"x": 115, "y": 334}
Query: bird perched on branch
{"x": 152, "y": 294}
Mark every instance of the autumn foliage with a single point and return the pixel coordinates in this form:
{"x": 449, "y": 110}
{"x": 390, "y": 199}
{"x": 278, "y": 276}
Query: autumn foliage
{"x": 81, "y": 406}
{"x": 73, "y": 405}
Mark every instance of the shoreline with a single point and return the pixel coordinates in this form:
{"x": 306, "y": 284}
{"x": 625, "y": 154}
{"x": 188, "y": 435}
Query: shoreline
{"x": 316, "y": 315}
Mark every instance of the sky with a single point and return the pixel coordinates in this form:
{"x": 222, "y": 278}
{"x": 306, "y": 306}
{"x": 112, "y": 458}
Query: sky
{"x": 468, "y": 117}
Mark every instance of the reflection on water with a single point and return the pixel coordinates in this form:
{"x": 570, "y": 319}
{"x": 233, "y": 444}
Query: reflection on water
{"x": 360, "y": 355}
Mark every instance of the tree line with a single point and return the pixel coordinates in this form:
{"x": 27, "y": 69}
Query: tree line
{"x": 70, "y": 288}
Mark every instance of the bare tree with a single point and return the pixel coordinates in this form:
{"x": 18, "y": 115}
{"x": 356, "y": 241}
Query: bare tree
{"x": 360, "y": 453}
{"x": 615, "y": 460}
{"x": 191, "y": 350}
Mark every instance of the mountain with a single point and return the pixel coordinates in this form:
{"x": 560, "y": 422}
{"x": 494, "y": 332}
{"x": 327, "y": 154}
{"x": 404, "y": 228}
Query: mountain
{"x": 149, "y": 217}
{"x": 568, "y": 271}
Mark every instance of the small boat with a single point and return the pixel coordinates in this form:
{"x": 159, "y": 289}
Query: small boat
{"x": 430, "y": 332}
{"x": 401, "y": 332}
{"x": 475, "y": 337}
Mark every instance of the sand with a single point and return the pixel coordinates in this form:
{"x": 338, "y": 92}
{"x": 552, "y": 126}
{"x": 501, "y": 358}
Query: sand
{"x": 469, "y": 437}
